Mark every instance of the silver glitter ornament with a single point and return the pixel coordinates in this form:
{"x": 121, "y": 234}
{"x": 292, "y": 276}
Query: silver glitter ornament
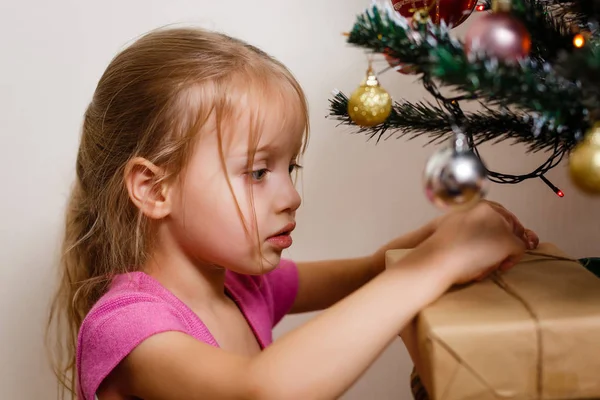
{"x": 455, "y": 177}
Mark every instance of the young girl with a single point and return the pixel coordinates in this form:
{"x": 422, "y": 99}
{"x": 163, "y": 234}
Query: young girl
{"x": 183, "y": 204}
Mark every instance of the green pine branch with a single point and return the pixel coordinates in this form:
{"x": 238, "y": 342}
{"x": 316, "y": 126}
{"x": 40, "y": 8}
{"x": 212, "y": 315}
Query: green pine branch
{"x": 423, "y": 119}
{"x": 550, "y": 24}
{"x": 583, "y": 67}
{"x": 582, "y": 13}
{"x": 550, "y": 36}
{"x": 529, "y": 85}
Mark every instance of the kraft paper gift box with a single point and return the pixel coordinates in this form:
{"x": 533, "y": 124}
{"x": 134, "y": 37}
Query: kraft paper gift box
{"x": 530, "y": 333}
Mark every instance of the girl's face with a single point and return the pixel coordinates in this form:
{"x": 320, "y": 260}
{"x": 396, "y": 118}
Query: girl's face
{"x": 205, "y": 219}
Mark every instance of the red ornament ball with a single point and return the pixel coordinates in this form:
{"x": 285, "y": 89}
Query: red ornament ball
{"x": 498, "y": 35}
{"x": 452, "y": 12}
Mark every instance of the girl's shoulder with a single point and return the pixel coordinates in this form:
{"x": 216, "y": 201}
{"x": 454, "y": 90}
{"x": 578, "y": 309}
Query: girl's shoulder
{"x": 134, "y": 308}
{"x": 135, "y": 295}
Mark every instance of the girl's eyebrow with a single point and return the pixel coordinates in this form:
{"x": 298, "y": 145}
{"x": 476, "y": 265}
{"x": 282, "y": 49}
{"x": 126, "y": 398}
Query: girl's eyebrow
{"x": 266, "y": 148}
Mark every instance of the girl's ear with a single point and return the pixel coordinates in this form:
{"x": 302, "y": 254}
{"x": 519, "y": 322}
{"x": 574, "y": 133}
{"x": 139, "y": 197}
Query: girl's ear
{"x": 146, "y": 190}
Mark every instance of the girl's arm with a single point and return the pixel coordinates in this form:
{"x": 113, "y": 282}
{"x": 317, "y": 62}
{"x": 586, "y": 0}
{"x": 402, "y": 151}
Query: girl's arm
{"x": 319, "y": 360}
{"x": 323, "y": 283}
{"x": 324, "y": 357}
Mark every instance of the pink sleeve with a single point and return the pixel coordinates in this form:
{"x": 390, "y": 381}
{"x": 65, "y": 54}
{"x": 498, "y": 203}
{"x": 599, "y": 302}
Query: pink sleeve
{"x": 283, "y": 285}
{"x": 112, "y": 331}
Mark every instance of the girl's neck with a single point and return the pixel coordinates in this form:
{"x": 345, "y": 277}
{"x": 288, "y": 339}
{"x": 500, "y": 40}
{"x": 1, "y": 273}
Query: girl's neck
{"x": 196, "y": 286}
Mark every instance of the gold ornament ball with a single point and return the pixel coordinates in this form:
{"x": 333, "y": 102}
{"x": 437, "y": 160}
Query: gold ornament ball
{"x": 584, "y": 162}
{"x": 370, "y": 104}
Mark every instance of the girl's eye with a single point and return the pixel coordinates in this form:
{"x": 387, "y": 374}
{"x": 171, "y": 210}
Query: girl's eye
{"x": 258, "y": 175}
{"x": 293, "y": 167}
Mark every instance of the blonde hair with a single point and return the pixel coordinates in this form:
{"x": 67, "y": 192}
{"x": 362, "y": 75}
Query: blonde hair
{"x": 151, "y": 101}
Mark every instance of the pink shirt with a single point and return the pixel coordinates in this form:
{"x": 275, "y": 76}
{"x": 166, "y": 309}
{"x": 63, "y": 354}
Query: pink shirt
{"x": 137, "y": 306}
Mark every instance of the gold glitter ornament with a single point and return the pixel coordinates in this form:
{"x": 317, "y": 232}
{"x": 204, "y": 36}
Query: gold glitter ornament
{"x": 584, "y": 162}
{"x": 370, "y": 104}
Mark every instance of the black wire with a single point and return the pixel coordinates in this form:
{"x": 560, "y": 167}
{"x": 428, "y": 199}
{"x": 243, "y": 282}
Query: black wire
{"x": 458, "y": 118}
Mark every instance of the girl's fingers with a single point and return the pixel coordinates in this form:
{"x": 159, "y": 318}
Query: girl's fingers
{"x": 532, "y": 239}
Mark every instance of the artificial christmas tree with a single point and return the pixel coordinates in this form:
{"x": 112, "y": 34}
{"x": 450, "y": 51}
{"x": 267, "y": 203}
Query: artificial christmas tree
{"x": 534, "y": 65}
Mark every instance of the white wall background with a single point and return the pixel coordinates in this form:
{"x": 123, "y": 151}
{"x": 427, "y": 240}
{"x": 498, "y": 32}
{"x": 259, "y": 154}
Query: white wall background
{"x": 357, "y": 195}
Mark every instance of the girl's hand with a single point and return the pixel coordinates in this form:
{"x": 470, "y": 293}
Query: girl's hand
{"x": 475, "y": 242}
{"x": 415, "y": 238}
{"x": 530, "y": 237}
